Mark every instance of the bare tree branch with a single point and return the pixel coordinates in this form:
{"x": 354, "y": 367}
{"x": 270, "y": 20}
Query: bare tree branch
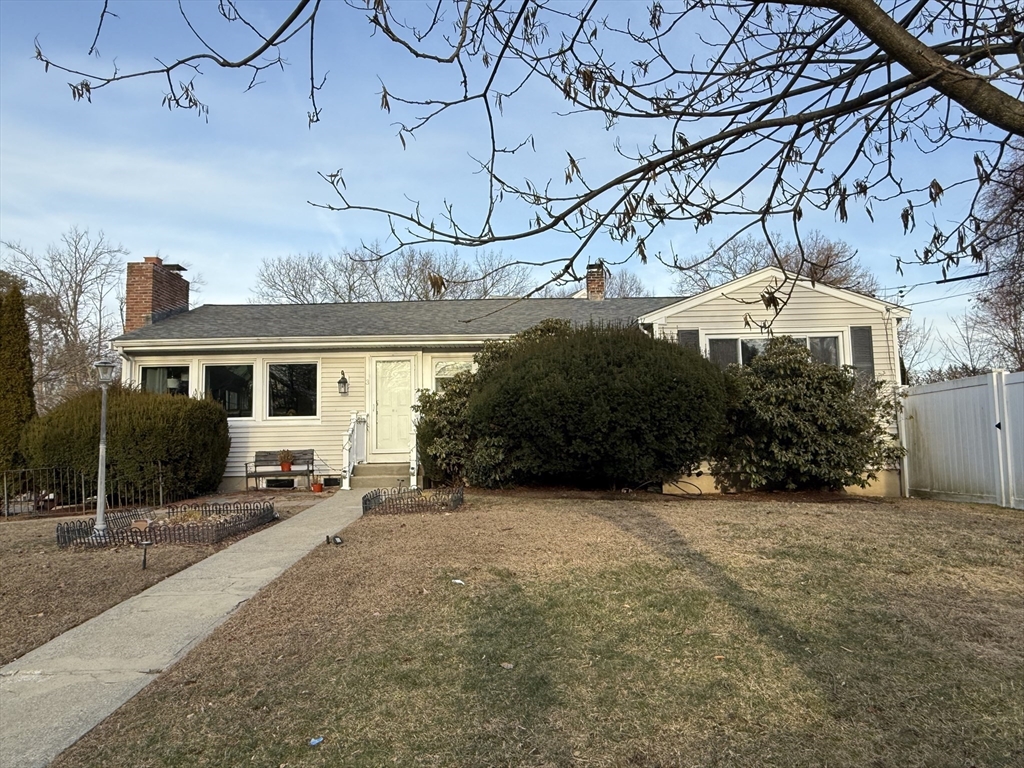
{"x": 756, "y": 114}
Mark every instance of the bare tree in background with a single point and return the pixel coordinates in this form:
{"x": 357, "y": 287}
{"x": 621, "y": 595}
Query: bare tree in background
{"x": 71, "y": 305}
{"x": 719, "y": 110}
{"x": 408, "y": 275}
{"x": 998, "y": 309}
{"x": 917, "y": 349}
{"x": 822, "y": 259}
{"x": 618, "y": 284}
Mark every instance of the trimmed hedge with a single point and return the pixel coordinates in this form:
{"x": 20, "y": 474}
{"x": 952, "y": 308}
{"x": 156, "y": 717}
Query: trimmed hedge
{"x": 187, "y": 438}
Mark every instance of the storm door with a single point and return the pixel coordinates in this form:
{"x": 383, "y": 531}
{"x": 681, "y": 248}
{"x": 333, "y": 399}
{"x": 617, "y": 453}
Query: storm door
{"x": 392, "y": 406}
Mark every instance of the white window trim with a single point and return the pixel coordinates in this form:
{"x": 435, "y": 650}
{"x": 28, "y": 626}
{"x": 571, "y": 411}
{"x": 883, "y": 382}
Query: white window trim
{"x": 205, "y": 363}
{"x": 265, "y": 389}
{"x": 845, "y": 354}
{"x": 435, "y": 361}
{"x": 135, "y": 375}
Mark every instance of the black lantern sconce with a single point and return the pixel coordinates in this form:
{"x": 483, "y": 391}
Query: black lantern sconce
{"x": 342, "y": 384}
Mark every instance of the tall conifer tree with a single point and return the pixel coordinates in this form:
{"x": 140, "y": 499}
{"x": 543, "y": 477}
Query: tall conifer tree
{"x": 17, "y": 399}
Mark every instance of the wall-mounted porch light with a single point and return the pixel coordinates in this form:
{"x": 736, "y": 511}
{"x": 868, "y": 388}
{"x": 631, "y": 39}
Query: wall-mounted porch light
{"x": 342, "y": 384}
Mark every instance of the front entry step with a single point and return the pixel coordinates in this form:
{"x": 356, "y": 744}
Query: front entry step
{"x": 369, "y": 476}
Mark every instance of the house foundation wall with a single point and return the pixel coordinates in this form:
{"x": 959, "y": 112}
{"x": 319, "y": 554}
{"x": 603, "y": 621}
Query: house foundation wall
{"x": 886, "y": 485}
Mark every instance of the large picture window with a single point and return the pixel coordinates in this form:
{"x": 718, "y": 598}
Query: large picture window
{"x": 292, "y": 389}
{"x": 723, "y": 352}
{"x": 231, "y": 386}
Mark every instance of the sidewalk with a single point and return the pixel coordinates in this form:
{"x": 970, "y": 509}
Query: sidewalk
{"x": 52, "y": 696}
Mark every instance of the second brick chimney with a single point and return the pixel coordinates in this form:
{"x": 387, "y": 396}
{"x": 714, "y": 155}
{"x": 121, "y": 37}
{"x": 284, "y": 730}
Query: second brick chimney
{"x": 595, "y": 281}
{"x": 154, "y": 290}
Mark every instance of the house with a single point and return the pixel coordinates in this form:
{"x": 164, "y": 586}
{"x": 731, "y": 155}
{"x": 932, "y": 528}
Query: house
{"x": 342, "y": 378}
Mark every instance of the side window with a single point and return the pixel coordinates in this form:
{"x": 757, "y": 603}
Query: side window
{"x": 723, "y": 352}
{"x": 231, "y": 386}
{"x": 291, "y": 389}
{"x": 689, "y": 339}
{"x": 751, "y": 348}
{"x": 170, "y": 380}
{"x": 825, "y": 349}
{"x": 445, "y": 369}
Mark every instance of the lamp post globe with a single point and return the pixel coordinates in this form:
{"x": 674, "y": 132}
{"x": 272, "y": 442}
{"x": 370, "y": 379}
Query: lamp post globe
{"x": 105, "y": 374}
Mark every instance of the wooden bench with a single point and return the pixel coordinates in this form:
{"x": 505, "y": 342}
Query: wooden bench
{"x": 266, "y": 465}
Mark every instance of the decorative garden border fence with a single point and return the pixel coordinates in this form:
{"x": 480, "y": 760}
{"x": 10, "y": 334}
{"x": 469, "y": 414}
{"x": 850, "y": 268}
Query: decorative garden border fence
{"x": 400, "y": 501}
{"x": 237, "y": 518}
{"x": 64, "y": 491}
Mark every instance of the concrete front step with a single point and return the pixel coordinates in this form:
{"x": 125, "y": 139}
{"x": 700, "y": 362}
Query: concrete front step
{"x": 378, "y": 470}
{"x": 366, "y": 477}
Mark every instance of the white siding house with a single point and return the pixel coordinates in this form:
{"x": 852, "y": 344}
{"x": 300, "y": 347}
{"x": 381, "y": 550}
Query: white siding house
{"x": 277, "y": 368}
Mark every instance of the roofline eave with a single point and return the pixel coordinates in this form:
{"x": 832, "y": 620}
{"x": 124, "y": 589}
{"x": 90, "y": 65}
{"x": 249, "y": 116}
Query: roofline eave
{"x": 290, "y": 342}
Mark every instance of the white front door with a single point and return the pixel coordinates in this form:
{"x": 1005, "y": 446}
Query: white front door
{"x": 392, "y": 407}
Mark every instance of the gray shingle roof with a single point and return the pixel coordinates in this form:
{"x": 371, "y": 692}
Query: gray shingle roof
{"x": 488, "y": 317}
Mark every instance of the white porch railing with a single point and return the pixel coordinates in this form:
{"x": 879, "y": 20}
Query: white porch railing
{"x": 413, "y": 456}
{"x": 355, "y": 448}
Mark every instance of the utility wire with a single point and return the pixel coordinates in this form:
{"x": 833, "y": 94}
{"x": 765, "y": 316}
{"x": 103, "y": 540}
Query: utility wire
{"x": 943, "y": 298}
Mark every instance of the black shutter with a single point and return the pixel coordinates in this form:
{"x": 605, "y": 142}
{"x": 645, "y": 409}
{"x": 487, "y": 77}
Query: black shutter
{"x": 863, "y": 351}
{"x": 689, "y": 339}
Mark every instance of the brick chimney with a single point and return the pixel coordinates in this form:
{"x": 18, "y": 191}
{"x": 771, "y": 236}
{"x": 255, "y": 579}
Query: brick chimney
{"x": 595, "y": 281}
{"x": 154, "y": 290}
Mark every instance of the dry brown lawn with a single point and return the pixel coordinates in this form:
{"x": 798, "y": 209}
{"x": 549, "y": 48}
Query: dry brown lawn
{"x": 581, "y": 630}
{"x": 45, "y": 590}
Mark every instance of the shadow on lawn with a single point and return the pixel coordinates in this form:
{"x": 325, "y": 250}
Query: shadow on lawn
{"x": 884, "y": 672}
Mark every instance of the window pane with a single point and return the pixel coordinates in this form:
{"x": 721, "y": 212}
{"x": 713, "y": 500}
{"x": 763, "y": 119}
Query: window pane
{"x": 752, "y": 348}
{"x": 825, "y": 349}
{"x": 444, "y": 370}
{"x": 293, "y": 389}
{"x": 165, "y": 379}
{"x": 722, "y": 352}
{"x": 231, "y": 386}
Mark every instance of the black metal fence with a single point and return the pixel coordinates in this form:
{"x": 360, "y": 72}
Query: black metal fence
{"x": 212, "y": 523}
{"x": 61, "y": 490}
{"x": 401, "y": 501}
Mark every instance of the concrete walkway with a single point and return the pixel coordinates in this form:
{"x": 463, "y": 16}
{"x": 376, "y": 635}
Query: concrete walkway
{"x": 52, "y": 696}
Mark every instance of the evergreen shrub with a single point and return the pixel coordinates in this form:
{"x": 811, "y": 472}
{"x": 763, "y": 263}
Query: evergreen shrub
{"x": 17, "y": 395}
{"x": 184, "y": 439}
{"x": 442, "y": 435}
{"x": 798, "y": 424}
{"x": 589, "y": 407}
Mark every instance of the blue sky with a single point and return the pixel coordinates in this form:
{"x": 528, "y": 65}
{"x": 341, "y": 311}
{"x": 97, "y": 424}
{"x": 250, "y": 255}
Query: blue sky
{"x": 223, "y": 194}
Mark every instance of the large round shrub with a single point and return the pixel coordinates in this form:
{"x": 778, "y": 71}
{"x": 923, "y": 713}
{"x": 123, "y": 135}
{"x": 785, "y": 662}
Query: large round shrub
{"x": 181, "y": 439}
{"x": 795, "y": 423}
{"x": 592, "y": 407}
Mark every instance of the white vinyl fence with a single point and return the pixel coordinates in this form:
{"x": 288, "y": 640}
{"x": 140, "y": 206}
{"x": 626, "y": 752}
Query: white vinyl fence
{"x": 965, "y": 439}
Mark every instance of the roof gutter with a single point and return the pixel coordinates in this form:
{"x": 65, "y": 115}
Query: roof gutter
{"x": 306, "y": 342}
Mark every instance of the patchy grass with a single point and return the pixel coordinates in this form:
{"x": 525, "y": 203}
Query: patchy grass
{"x": 613, "y": 632}
{"x": 45, "y": 590}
